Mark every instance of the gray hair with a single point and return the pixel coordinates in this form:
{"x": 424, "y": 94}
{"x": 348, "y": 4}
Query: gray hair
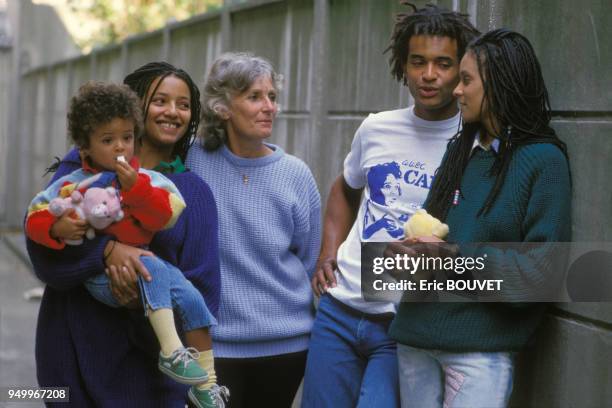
{"x": 231, "y": 74}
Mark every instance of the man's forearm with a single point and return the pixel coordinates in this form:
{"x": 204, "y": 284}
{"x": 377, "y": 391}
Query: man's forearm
{"x": 340, "y": 214}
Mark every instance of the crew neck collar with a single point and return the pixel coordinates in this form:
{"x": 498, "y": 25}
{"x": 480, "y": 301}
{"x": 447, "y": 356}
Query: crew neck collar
{"x": 437, "y": 124}
{"x": 276, "y": 154}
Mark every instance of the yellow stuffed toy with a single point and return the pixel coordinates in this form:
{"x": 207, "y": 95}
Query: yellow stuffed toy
{"x": 421, "y": 224}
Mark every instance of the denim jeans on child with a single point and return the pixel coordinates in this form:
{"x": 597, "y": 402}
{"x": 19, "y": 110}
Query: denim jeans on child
{"x": 351, "y": 360}
{"x": 168, "y": 289}
{"x": 441, "y": 379}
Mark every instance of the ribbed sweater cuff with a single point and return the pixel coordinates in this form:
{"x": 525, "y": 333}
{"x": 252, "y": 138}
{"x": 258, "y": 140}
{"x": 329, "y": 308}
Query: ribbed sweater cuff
{"x": 260, "y": 348}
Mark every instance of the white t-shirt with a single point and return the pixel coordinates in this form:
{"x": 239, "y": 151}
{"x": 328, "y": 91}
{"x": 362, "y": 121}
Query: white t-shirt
{"x": 393, "y": 158}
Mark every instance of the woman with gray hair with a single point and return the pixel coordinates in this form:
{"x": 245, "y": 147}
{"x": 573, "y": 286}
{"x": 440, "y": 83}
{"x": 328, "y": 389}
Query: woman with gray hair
{"x": 269, "y": 233}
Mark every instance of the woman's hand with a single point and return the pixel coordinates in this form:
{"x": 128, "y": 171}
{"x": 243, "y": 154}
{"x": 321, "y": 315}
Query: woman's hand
{"x": 123, "y": 267}
{"x": 402, "y": 249}
{"x": 434, "y": 246}
{"x": 68, "y": 226}
{"x": 124, "y": 286}
{"x": 126, "y": 174}
{"x": 431, "y": 247}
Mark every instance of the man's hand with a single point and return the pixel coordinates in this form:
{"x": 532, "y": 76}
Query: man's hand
{"x": 123, "y": 267}
{"x": 324, "y": 277}
{"x": 126, "y": 174}
{"x": 340, "y": 214}
{"x": 68, "y": 226}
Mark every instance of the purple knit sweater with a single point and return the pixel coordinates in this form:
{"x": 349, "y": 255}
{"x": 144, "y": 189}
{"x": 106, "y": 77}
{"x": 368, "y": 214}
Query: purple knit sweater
{"x": 108, "y": 357}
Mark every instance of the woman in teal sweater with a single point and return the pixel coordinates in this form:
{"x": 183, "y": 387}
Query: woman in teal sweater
{"x": 505, "y": 178}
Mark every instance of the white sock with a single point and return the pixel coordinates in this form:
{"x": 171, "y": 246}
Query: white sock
{"x": 162, "y": 321}
{"x": 207, "y": 362}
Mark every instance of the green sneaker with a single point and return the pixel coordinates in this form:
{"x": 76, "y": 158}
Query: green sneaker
{"x": 215, "y": 397}
{"x": 182, "y": 366}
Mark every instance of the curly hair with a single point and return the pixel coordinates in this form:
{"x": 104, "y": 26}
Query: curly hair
{"x": 98, "y": 103}
{"x": 430, "y": 20}
{"x": 141, "y": 80}
{"x": 231, "y": 74}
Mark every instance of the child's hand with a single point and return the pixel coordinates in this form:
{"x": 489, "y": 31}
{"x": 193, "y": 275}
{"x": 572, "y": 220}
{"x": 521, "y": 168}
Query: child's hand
{"x": 68, "y": 226}
{"x": 126, "y": 174}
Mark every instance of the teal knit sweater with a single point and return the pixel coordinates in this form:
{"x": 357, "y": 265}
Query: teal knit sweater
{"x": 533, "y": 205}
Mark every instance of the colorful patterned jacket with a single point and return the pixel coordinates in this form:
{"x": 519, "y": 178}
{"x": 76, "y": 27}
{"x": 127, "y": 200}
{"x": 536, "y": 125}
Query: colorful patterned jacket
{"x": 152, "y": 204}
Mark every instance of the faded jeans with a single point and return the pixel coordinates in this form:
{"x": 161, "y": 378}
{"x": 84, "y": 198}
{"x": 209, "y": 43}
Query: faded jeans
{"x": 168, "y": 289}
{"x": 441, "y": 379}
{"x": 352, "y": 362}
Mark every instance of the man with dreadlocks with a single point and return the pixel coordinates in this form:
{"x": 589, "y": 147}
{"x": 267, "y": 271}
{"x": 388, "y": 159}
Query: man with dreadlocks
{"x": 351, "y": 359}
{"x": 505, "y": 178}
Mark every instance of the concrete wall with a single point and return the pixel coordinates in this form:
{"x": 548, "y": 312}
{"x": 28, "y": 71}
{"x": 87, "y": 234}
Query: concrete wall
{"x": 6, "y": 67}
{"x": 43, "y": 36}
{"x": 570, "y": 363}
{"x": 36, "y": 38}
{"x": 330, "y": 52}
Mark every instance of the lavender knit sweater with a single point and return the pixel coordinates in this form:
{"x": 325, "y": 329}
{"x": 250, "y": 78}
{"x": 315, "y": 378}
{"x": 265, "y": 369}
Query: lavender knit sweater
{"x": 269, "y": 238}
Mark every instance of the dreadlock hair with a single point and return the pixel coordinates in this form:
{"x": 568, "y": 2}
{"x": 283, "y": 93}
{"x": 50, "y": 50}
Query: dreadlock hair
{"x": 515, "y": 102}
{"x": 141, "y": 80}
{"x": 430, "y": 20}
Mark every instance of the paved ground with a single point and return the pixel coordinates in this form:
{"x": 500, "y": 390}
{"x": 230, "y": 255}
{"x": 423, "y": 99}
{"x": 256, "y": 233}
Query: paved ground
{"x": 17, "y": 318}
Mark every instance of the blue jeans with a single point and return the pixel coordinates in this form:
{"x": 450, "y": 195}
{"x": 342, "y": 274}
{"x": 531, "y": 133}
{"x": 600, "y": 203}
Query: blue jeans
{"x": 436, "y": 379}
{"x": 351, "y": 360}
{"x": 169, "y": 289}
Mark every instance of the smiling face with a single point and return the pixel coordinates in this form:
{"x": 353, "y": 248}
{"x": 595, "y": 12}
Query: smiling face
{"x": 251, "y": 114}
{"x": 432, "y": 70}
{"x": 169, "y": 112}
{"x": 109, "y": 141}
{"x": 470, "y": 90}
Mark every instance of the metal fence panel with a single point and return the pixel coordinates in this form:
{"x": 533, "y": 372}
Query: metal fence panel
{"x": 196, "y": 46}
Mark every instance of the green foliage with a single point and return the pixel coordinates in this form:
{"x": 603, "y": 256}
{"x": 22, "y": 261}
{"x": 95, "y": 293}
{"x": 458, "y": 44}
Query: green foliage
{"x": 116, "y": 19}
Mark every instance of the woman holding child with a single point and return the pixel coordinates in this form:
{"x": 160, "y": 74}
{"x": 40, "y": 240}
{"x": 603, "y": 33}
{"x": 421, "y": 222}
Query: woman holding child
{"x": 269, "y": 224}
{"x": 108, "y": 356}
{"x": 505, "y": 178}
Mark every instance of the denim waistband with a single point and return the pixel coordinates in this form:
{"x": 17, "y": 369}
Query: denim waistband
{"x": 375, "y": 317}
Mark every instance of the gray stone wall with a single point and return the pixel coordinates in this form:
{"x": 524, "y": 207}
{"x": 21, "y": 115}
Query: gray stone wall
{"x": 330, "y": 52}
{"x": 33, "y": 35}
{"x": 570, "y": 362}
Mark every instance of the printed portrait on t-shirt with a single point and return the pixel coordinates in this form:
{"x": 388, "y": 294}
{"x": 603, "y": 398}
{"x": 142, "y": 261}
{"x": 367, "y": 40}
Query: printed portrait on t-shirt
{"x": 387, "y": 207}
{"x": 384, "y": 182}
